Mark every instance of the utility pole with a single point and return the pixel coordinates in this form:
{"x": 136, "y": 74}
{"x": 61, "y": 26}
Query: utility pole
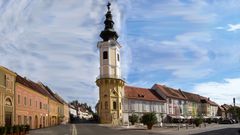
{"x": 234, "y": 108}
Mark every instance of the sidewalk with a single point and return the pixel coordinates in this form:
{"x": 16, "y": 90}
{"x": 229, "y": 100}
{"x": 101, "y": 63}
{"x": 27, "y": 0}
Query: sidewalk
{"x": 192, "y": 130}
{"x": 173, "y": 129}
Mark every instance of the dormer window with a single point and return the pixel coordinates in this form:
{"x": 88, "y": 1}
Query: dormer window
{"x": 105, "y": 55}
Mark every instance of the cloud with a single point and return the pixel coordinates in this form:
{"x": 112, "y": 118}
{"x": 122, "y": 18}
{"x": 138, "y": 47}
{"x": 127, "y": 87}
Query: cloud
{"x": 55, "y": 42}
{"x": 221, "y": 92}
{"x": 233, "y": 27}
{"x": 192, "y": 11}
{"x": 182, "y": 57}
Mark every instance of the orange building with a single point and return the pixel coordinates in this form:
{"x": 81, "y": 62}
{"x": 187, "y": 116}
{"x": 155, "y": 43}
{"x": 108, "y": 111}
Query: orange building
{"x": 31, "y": 104}
{"x": 23, "y": 101}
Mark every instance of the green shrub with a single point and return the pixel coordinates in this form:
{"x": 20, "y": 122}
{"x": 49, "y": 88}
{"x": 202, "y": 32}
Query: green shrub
{"x": 133, "y": 118}
{"x": 9, "y": 129}
{"x": 198, "y": 121}
{"x": 15, "y": 129}
{"x": 27, "y": 127}
{"x": 149, "y": 119}
{"x": 2, "y": 130}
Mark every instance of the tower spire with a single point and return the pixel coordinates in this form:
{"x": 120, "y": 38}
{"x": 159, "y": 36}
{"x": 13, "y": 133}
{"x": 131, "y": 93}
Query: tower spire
{"x": 108, "y": 32}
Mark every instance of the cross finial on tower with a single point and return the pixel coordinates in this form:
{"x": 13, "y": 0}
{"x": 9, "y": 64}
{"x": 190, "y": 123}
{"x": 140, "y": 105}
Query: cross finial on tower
{"x": 108, "y": 5}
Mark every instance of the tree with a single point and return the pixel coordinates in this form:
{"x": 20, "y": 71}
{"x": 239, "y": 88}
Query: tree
{"x": 198, "y": 121}
{"x": 149, "y": 119}
{"x": 133, "y": 118}
{"x": 235, "y": 111}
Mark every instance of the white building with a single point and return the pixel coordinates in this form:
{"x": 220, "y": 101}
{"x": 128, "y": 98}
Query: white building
{"x": 141, "y": 100}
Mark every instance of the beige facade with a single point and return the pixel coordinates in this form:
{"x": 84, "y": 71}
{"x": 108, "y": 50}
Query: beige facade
{"x": 7, "y": 103}
{"x": 66, "y": 113}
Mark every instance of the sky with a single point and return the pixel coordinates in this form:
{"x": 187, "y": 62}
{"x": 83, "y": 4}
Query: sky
{"x": 187, "y": 44}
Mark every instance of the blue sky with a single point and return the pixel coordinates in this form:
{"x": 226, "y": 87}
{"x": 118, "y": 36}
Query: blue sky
{"x": 186, "y": 44}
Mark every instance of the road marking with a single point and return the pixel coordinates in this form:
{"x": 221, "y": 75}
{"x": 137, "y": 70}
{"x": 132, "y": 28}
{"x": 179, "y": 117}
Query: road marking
{"x": 74, "y": 129}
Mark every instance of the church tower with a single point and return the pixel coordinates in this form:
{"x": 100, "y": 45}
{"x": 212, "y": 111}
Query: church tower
{"x": 110, "y": 82}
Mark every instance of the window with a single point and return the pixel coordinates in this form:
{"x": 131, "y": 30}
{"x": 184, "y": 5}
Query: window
{"x": 170, "y": 101}
{"x": 8, "y": 102}
{"x": 19, "y": 120}
{"x": 25, "y": 101}
{"x": 25, "y": 120}
{"x": 30, "y": 102}
{"x": 118, "y": 57}
{"x": 40, "y": 105}
{"x": 114, "y": 105}
{"x": 105, "y": 55}
{"x": 19, "y": 98}
{"x": 106, "y": 105}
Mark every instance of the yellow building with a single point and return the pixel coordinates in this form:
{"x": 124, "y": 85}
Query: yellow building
{"x": 109, "y": 82}
{"x": 7, "y": 90}
{"x": 63, "y": 112}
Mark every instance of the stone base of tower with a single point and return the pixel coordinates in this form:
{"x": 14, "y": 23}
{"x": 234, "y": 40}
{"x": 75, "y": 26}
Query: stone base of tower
{"x": 110, "y": 100}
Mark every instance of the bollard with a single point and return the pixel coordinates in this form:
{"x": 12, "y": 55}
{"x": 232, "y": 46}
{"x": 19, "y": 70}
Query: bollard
{"x": 178, "y": 127}
{"x": 186, "y": 126}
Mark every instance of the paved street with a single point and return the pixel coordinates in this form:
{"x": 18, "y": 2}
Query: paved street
{"x": 95, "y": 129}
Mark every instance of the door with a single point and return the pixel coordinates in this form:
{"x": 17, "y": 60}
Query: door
{"x": 8, "y": 118}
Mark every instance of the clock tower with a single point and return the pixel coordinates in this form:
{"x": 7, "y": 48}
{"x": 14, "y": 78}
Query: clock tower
{"x": 109, "y": 81}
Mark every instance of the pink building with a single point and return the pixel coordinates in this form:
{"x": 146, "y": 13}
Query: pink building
{"x": 31, "y": 104}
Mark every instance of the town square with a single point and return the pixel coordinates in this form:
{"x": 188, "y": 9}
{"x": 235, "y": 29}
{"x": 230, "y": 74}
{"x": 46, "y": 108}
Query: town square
{"x": 160, "y": 67}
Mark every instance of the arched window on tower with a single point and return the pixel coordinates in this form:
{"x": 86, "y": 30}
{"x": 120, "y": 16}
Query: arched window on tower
{"x": 114, "y": 105}
{"x": 118, "y": 58}
{"x": 106, "y": 105}
{"x": 105, "y": 55}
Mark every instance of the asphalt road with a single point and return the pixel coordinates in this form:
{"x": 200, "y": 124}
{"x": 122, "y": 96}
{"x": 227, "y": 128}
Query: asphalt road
{"x": 95, "y": 129}
{"x": 227, "y": 131}
{"x": 86, "y": 129}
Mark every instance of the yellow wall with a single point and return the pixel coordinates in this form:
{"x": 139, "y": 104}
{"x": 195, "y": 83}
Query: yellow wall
{"x": 53, "y": 112}
{"x": 110, "y": 90}
{"x": 7, "y": 88}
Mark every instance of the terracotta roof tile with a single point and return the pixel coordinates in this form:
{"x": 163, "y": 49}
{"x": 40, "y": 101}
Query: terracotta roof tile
{"x": 170, "y": 92}
{"x": 192, "y": 97}
{"x": 207, "y": 100}
{"x": 34, "y": 86}
{"x": 142, "y": 94}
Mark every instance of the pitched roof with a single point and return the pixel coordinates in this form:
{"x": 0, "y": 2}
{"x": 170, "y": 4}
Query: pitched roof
{"x": 191, "y": 96}
{"x": 207, "y": 100}
{"x": 34, "y": 86}
{"x": 142, "y": 94}
{"x": 170, "y": 92}
{"x": 30, "y": 84}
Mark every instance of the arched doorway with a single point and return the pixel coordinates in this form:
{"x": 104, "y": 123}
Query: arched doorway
{"x": 36, "y": 121}
{"x": 8, "y": 111}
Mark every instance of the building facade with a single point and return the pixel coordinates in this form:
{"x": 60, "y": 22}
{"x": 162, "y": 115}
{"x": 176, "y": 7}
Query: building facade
{"x": 7, "y": 100}
{"x": 23, "y": 101}
{"x": 31, "y": 105}
{"x": 141, "y": 100}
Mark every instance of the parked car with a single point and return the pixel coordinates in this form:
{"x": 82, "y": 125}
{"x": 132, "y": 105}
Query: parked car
{"x": 226, "y": 121}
